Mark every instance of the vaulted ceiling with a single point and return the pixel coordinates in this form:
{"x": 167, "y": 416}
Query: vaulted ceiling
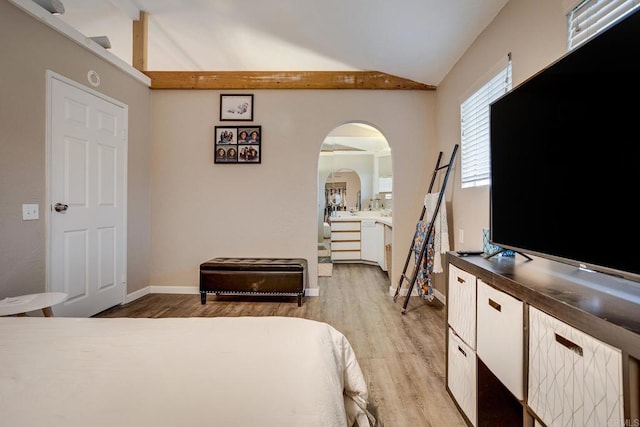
{"x": 418, "y": 40}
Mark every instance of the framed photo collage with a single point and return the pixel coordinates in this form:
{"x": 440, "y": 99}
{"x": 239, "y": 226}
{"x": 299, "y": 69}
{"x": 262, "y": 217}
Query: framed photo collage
{"x": 237, "y": 144}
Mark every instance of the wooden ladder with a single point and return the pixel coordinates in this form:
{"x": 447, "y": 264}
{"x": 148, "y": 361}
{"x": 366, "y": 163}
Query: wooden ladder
{"x": 422, "y": 248}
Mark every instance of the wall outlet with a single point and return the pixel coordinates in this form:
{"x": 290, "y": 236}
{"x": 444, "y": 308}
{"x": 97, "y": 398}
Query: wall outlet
{"x": 30, "y": 212}
{"x": 460, "y": 235}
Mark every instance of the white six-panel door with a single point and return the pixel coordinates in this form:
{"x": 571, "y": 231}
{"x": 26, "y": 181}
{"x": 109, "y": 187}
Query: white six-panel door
{"x": 87, "y": 190}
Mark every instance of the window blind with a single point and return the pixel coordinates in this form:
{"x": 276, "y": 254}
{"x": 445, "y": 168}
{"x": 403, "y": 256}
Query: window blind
{"x": 591, "y": 17}
{"x": 474, "y": 140}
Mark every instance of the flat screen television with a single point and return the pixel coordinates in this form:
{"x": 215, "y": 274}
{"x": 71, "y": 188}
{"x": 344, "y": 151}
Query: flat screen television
{"x": 565, "y": 157}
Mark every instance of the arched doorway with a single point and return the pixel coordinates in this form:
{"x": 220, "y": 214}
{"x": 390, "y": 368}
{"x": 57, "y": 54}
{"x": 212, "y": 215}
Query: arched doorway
{"x": 354, "y": 176}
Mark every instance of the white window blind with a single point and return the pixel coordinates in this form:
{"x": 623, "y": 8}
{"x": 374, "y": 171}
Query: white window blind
{"x": 591, "y": 17}
{"x": 474, "y": 139}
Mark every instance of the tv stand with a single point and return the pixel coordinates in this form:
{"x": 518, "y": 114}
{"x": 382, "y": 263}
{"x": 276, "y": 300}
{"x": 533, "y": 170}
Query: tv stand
{"x": 514, "y": 325}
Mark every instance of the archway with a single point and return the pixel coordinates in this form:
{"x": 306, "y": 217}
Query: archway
{"x": 354, "y": 176}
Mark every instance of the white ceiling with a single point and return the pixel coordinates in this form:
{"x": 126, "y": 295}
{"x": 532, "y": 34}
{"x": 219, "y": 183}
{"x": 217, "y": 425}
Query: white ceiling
{"x": 419, "y": 40}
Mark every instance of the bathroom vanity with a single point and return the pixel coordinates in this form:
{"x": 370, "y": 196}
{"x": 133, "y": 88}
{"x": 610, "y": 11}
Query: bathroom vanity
{"x": 360, "y": 237}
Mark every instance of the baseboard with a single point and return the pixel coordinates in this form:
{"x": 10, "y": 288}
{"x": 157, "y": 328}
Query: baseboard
{"x": 136, "y": 294}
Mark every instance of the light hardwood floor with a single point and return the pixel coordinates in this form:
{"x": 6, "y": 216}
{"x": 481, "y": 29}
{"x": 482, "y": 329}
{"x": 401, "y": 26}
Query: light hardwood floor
{"x": 401, "y": 356}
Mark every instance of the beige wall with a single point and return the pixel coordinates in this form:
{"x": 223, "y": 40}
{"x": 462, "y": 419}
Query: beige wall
{"x": 199, "y": 210}
{"x": 28, "y": 48}
{"x": 534, "y": 31}
{"x": 202, "y": 210}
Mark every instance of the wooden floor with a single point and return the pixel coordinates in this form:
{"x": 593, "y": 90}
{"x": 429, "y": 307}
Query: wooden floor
{"x": 401, "y": 356}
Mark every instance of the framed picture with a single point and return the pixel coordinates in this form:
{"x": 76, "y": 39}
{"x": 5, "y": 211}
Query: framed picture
{"x": 237, "y": 144}
{"x": 236, "y": 107}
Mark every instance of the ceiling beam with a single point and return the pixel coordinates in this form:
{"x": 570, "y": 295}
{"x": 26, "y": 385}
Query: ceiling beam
{"x": 281, "y": 80}
{"x": 140, "y": 32}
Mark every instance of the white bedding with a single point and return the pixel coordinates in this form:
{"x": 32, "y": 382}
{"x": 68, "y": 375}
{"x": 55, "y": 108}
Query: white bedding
{"x": 225, "y": 371}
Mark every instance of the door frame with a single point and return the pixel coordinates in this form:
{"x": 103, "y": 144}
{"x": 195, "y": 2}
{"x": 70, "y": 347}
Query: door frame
{"x": 50, "y": 76}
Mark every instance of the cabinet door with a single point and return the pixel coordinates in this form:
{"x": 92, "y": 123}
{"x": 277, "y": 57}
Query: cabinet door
{"x": 461, "y": 375}
{"x": 500, "y": 333}
{"x": 380, "y": 246}
{"x": 369, "y": 240}
{"x": 574, "y": 379}
{"x": 461, "y": 304}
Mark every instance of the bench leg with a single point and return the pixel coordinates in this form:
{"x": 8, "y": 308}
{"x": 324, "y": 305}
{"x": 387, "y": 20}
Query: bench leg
{"x": 203, "y": 298}
{"x": 299, "y": 300}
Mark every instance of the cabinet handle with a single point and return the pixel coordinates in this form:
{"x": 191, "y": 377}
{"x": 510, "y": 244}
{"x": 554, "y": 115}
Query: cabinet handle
{"x": 462, "y": 351}
{"x": 461, "y": 280}
{"x": 495, "y": 305}
{"x": 569, "y": 344}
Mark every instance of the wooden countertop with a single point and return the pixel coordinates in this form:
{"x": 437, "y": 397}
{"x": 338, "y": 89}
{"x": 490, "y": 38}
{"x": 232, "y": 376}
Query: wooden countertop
{"x": 604, "y": 306}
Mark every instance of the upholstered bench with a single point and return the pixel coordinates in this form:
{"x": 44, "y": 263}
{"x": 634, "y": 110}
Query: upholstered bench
{"x": 259, "y": 276}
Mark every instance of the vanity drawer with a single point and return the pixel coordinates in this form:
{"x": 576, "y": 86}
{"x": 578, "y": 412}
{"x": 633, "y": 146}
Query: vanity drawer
{"x": 345, "y": 246}
{"x": 345, "y": 226}
{"x": 345, "y": 235}
{"x": 345, "y": 255}
{"x": 500, "y": 342}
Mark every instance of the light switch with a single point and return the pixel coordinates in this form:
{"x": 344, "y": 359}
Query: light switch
{"x": 30, "y": 212}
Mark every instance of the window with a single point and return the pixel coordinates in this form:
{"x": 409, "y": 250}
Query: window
{"x": 385, "y": 184}
{"x": 589, "y": 17}
{"x": 474, "y": 138}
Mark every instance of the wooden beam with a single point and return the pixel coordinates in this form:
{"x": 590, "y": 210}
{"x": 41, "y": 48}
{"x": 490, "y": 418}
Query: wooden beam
{"x": 140, "y": 30}
{"x": 281, "y": 80}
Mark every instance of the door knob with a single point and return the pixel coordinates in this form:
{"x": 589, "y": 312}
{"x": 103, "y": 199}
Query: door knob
{"x": 60, "y": 207}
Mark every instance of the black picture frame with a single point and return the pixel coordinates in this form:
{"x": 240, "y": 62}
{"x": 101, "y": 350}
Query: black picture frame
{"x": 236, "y": 107}
{"x": 237, "y": 144}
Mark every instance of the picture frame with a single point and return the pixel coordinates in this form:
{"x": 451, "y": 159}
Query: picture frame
{"x": 237, "y": 144}
{"x": 236, "y": 107}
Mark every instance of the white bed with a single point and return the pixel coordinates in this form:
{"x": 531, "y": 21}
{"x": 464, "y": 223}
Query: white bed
{"x": 225, "y": 371}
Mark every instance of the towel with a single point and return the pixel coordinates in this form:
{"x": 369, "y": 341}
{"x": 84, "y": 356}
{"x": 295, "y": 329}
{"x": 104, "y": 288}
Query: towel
{"x": 424, "y": 264}
{"x": 441, "y": 229}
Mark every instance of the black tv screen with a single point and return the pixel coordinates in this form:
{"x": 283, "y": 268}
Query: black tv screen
{"x": 565, "y": 157}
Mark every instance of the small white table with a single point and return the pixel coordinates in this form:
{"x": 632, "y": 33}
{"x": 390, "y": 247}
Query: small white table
{"x": 22, "y": 304}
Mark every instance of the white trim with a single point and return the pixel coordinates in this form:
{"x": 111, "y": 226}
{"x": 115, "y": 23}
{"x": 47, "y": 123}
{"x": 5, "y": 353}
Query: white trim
{"x": 137, "y": 294}
{"x": 485, "y": 77}
{"x": 71, "y": 33}
{"x": 569, "y": 5}
{"x": 154, "y": 289}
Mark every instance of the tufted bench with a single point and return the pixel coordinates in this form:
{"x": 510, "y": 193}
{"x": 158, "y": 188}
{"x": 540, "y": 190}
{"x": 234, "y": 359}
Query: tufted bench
{"x": 259, "y": 276}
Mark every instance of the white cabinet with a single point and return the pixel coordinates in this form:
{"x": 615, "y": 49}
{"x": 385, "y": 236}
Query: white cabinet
{"x": 574, "y": 379}
{"x": 369, "y": 240}
{"x": 359, "y": 239}
{"x": 461, "y": 302}
{"x": 345, "y": 240}
{"x": 500, "y": 330}
{"x": 461, "y": 355}
{"x": 461, "y": 375}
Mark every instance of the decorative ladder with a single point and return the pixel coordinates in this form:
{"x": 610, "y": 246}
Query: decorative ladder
{"x": 422, "y": 249}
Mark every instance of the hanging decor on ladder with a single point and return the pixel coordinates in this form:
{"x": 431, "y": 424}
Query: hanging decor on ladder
{"x": 429, "y": 239}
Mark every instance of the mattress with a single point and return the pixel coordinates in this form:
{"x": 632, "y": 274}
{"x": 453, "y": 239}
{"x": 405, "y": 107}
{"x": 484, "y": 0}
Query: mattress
{"x": 224, "y": 371}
